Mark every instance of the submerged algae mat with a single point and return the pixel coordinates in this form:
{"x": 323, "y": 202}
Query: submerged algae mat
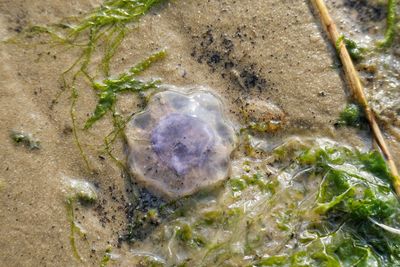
{"x": 270, "y": 51}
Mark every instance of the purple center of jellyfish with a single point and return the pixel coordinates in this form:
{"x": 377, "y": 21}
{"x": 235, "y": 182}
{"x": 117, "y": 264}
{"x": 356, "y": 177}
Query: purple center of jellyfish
{"x": 182, "y": 142}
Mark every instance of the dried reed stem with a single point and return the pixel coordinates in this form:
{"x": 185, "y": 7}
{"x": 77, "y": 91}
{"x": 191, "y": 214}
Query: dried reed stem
{"x": 356, "y": 88}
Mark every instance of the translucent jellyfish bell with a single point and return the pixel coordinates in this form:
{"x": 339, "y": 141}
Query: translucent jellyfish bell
{"x": 180, "y": 144}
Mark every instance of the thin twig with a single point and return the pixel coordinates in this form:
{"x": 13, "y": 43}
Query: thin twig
{"x": 356, "y": 88}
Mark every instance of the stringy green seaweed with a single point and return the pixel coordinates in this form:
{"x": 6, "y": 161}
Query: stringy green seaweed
{"x": 100, "y": 31}
{"x": 353, "y": 190}
{"x": 390, "y": 32}
{"x": 103, "y": 28}
{"x": 108, "y": 25}
{"x": 111, "y": 20}
{"x": 126, "y": 82}
{"x": 77, "y": 192}
{"x": 334, "y": 230}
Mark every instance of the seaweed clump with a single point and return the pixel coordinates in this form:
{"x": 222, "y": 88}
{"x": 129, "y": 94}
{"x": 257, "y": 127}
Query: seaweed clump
{"x": 352, "y": 115}
{"x": 323, "y": 206}
{"x": 356, "y": 52}
{"x": 352, "y": 195}
{"x": 25, "y": 139}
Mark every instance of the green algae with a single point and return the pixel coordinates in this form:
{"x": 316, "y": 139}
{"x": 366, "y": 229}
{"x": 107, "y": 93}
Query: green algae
{"x": 241, "y": 183}
{"x": 355, "y": 51}
{"x": 352, "y": 115}
{"x": 150, "y": 262}
{"x": 126, "y": 82}
{"x": 74, "y": 229}
{"x": 115, "y": 12}
{"x": 106, "y": 258}
{"x": 390, "y": 32}
{"x": 108, "y": 23}
{"x": 119, "y": 124}
{"x": 355, "y": 187}
{"x": 108, "y": 92}
{"x": 99, "y": 32}
{"x": 314, "y": 210}
{"x": 184, "y": 233}
{"x": 26, "y": 139}
{"x": 82, "y": 192}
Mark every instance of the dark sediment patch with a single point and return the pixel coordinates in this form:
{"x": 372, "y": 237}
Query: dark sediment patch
{"x": 218, "y": 51}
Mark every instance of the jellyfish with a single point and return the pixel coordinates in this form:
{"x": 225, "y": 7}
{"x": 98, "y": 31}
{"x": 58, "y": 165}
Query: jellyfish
{"x": 180, "y": 144}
